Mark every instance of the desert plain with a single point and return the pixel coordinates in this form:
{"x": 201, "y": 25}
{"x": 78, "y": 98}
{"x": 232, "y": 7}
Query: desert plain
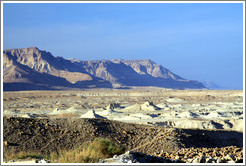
{"x": 175, "y": 125}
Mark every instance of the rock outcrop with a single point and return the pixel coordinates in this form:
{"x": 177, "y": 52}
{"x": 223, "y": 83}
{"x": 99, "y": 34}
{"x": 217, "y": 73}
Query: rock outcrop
{"x": 229, "y": 154}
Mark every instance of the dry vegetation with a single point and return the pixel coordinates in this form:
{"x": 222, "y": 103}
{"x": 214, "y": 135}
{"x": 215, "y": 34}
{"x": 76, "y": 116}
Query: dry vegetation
{"x": 23, "y": 155}
{"x": 99, "y": 148}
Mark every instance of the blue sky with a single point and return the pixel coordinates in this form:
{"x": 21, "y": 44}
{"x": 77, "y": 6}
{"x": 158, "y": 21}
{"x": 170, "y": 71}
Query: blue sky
{"x": 198, "y": 41}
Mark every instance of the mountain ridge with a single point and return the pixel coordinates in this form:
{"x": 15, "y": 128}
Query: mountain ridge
{"x": 90, "y": 74}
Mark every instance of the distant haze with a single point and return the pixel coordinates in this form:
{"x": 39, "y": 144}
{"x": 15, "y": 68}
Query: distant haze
{"x": 197, "y": 41}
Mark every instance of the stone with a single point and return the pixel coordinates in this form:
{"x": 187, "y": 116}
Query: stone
{"x": 23, "y": 161}
{"x": 189, "y": 160}
{"x": 237, "y": 150}
{"x": 6, "y": 143}
{"x": 177, "y": 158}
{"x": 128, "y": 152}
{"x": 201, "y": 159}
{"x": 43, "y": 161}
{"x": 230, "y": 157}
{"x": 196, "y": 160}
{"x": 178, "y": 161}
{"x": 221, "y": 160}
{"x": 209, "y": 160}
{"x": 239, "y": 160}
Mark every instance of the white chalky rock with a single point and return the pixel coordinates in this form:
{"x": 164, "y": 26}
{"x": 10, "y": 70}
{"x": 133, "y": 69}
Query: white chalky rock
{"x": 149, "y": 106}
{"x": 92, "y": 114}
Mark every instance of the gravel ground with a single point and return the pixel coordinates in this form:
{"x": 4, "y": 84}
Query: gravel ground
{"x": 50, "y": 135}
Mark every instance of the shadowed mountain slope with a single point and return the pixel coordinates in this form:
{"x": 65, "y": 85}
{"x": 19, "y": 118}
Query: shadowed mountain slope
{"x": 34, "y": 67}
{"x": 136, "y": 73}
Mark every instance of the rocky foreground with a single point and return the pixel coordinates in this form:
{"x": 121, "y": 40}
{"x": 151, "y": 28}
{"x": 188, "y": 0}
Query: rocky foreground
{"x": 190, "y": 155}
{"x": 230, "y": 154}
{"x": 145, "y": 143}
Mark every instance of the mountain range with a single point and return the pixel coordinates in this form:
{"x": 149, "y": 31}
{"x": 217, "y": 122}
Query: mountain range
{"x": 34, "y": 69}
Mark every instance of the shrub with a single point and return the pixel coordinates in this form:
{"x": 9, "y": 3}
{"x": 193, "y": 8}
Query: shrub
{"x": 29, "y": 155}
{"x": 23, "y": 155}
{"x": 100, "y": 148}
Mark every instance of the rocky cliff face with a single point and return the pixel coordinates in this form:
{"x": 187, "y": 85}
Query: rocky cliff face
{"x": 136, "y": 73}
{"x": 148, "y": 67}
{"x": 17, "y": 76}
{"x": 33, "y": 66}
{"x": 44, "y": 62}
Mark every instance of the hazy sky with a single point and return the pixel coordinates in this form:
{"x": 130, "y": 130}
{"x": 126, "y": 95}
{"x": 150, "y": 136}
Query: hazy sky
{"x": 197, "y": 41}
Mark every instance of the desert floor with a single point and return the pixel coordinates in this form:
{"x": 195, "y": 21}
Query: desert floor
{"x": 154, "y": 121}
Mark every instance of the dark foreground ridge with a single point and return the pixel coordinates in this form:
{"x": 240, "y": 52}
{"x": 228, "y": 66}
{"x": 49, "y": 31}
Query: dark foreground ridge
{"x": 51, "y": 135}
